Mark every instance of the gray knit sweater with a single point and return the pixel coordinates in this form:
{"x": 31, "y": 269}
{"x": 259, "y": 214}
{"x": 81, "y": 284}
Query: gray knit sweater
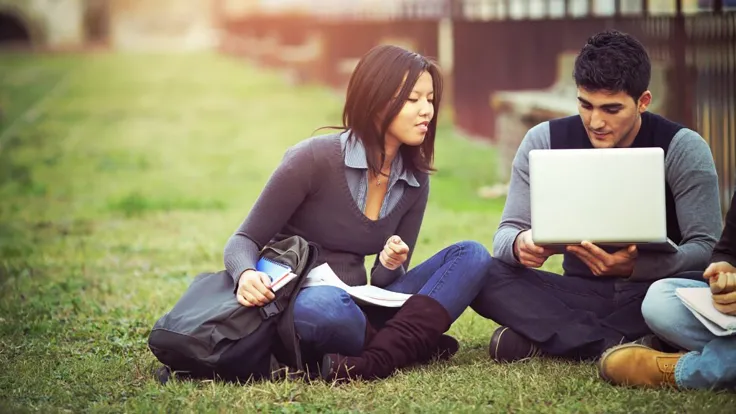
{"x": 308, "y": 195}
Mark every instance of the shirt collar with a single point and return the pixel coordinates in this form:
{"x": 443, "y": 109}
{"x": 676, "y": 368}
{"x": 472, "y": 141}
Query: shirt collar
{"x": 355, "y": 157}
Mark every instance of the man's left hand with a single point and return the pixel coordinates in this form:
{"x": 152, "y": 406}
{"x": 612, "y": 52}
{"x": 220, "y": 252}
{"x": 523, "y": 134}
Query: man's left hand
{"x": 601, "y": 263}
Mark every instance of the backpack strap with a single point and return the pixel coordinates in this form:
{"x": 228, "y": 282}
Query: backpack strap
{"x": 285, "y": 328}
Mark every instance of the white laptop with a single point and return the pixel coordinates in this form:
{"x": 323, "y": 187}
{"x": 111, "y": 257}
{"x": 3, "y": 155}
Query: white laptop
{"x": 611, "y": 197}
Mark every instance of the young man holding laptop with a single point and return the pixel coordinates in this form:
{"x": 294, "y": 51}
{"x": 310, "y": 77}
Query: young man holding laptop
{"x": 597, "y": 302}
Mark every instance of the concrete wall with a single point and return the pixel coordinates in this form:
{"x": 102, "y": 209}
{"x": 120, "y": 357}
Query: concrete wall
{"x": 162, "y": 25}
{"x": 238, "y": 8}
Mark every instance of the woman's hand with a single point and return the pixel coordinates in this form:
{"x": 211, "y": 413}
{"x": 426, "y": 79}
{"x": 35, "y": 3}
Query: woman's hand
{"x": 394, "y": 253}
{"x": 253, "y": 289}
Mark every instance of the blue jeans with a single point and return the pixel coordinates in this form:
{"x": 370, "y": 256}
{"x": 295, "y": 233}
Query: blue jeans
{"x": 328, "y": 321}
{"x": 711, "y": 362}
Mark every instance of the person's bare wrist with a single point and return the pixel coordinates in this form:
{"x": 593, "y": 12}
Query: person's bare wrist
{"x": 243, "y": 273}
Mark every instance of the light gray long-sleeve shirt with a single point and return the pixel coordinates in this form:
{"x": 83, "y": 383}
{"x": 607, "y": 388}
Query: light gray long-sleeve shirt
{"x": 689, "y": 171}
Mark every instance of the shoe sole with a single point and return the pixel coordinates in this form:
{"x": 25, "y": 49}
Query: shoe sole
{"x": 325, "y": 370}
{"x": 608, "y": 352}
{"x": 496, "y": 338}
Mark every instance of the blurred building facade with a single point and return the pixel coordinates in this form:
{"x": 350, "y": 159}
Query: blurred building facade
{"x": 193, "y": 24}
{"x": 56, "y": 23}
{"x": 120, "y": 24}
{"x": 171, "y": 25}
{"x": 477, "y": 9}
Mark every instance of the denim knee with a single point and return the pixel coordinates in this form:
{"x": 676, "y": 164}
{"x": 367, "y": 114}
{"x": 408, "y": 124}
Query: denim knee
{"x": 657, "y": 307}
{"x": 326, "y": 306}
{"x": 476, "y": 252}
{"x": 327, "y": 314}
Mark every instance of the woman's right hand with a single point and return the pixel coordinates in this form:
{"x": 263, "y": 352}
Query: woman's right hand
{"x": 253, "y": 289}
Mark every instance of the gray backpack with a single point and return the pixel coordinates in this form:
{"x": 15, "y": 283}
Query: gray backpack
{"x": 208, "y": 334}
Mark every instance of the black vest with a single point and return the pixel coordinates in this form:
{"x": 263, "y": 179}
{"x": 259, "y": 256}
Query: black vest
{"x": 655, "y": 131}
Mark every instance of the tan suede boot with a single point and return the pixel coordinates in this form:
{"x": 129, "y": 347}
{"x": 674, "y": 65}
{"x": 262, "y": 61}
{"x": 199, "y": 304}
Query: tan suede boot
{"x": 638, "y": 365}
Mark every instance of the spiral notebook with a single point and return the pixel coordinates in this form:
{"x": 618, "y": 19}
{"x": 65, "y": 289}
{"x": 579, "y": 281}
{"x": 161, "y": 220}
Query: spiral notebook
{"x": 279, "y": 273}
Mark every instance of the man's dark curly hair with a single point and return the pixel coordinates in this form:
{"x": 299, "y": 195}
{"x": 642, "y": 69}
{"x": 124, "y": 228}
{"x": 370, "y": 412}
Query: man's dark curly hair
{"x": 613, "y": 61}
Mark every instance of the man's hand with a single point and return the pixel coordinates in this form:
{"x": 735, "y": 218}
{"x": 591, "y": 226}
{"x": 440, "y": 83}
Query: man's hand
{"x": 528, "y": 253}
{"x": 620, "y": 263}
{"x": 394, "y": 253}
{"x": 718, "y": 267}
{"x": 253, "y": 289}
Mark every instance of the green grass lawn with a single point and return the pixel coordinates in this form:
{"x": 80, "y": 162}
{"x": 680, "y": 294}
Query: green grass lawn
{"x": 121, "y": 178}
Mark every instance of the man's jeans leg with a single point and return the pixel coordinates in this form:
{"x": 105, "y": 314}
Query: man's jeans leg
{"x": 328, "y": 321}
{"x": 711, "y": 362}
{"x": 670, "y": 320}
{"x": 713, "y": 368}
{"x": 452, "y": 277}
{"x": 566, "y": 316}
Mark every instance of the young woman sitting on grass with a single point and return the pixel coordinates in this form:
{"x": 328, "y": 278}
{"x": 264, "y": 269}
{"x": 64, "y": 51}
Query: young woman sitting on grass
{"x": 363, "y": 191}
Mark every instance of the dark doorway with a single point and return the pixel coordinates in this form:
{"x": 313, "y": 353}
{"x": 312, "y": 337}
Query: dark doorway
{"x": 13, "y": 31}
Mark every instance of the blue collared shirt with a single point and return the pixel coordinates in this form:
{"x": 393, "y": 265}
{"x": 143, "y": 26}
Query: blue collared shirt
{"x": 356, "y": 173}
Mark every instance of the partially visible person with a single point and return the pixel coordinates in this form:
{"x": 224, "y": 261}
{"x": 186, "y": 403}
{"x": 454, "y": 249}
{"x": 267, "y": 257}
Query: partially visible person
{"x": 358, "y": 192}
{"x": 710, "y": 360}
{"x": 597, "y": 302}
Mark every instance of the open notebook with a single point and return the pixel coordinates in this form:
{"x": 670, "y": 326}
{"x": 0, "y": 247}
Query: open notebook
{"x": 700, "y": 302}
{"x": 323, "y": 275}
